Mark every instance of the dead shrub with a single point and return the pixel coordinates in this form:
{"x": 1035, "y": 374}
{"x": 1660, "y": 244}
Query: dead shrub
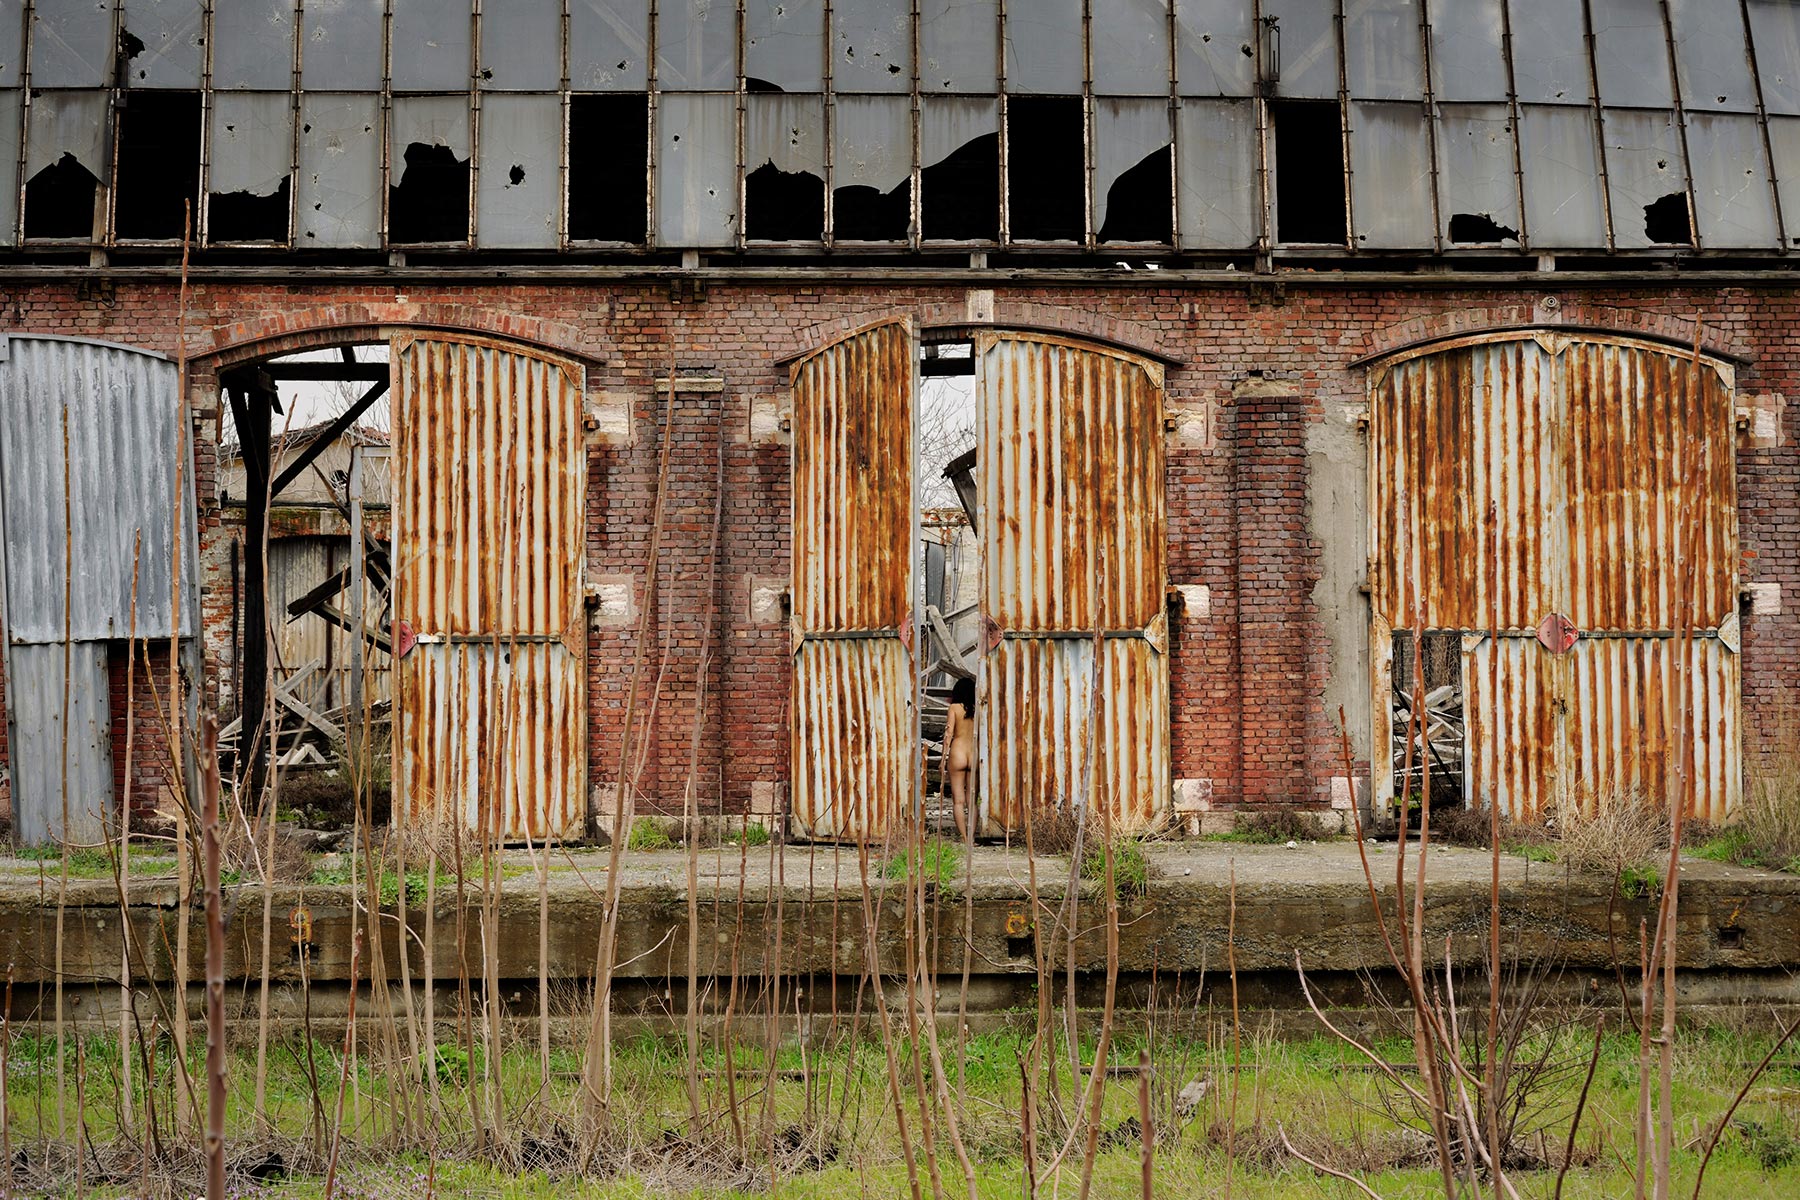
{"x": 1472, "y": 828}
{"x": 1054, "y": 830}
{"x": 1614, "y": 831}
{"x": 1278, "y": 826}
{"x": 1769, "y": 820}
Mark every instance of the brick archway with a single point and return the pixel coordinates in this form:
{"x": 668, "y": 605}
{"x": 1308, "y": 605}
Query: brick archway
{"x": 1555, "y": 313}
{"x": 335, "y": 324}
{"x": 985, "y": 311}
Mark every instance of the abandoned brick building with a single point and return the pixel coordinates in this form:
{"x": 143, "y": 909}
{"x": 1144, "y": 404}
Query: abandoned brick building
{"x": 1283, "y": 335}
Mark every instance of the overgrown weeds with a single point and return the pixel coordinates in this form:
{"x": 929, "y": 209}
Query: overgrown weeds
{"x": 1618, "y": 832}
{"x": 1131, "y": 869}
{"x": 939, "y": 864}
{"x": 1275, "y": 827}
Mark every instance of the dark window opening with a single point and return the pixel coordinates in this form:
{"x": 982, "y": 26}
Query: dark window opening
{"x": 1309, "y": 172}
{"x": 159, "y": 163}
{"x": 247, "y": 217}
{"x": 430, "y": 203}
{"x": 59, "y": 201}
{"x": 1479, "y": 227}
{"x": 783, "y": 206}
{"x": 609, "y": 154}
{"x": 1045, "y": 167}
{"x": 1138, "y": 204}
{"x": 1439, "y": 737}
{"x": 865, "y": 214}
{"x": 1666, "y": 221}
{"x": 959, "y": 198}
{"x": 753, "y": 84}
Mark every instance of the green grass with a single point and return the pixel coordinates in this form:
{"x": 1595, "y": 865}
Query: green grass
{"x": 1735, "y": 844}
{"x": 755, "y": 834}
{"x": 1131, "y": 870}
{"x": 1536, "y": 852}
{"x": 1640, "y": 882}
{"x": 647, "y": 833}
{"x": 93, "y": 862}
{"x": 941, "y": 864}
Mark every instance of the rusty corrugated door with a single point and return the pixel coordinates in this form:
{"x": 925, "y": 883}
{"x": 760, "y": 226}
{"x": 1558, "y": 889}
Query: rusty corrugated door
{"x": 490, "y": 492}
{"x": 1074, "y": 540}
{"x": 854, "y": 718}
{"x": 1533, "y": 476}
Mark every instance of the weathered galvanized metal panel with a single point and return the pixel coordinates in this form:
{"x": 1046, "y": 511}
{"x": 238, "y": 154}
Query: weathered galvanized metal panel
{"x": 92, "y": 429}
{"x": 492, "y": 736}
{"x": 1510, "y": 750}
{"x": 1074, "y": 537}
{"x": 1462, "y": 470}
{"x": 1038, "y": 730}
{"x": 1625, "y": 730}
{"x": 1651, "y": 485}
{"x": 853, "y": 711}
{"x": 37, "y": 701}
{"x": 488, "y": 552}
{"x": 853, "y": 737}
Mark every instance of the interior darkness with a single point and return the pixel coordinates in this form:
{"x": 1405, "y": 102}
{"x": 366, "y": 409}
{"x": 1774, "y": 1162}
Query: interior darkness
{"x": 1044, "y": 167}
{"x": 783, "y": 206}
{"x": 246, "y": 217}
{"x": 59, "y": 201}
{"x": 609, "y": 151}
{"x": 1479, "y": 227}
{"x": 1309, "y": 171}
{"x": 1666, "y": 220}
{"x": 863, "y": 213}
{"x": 1138, "y": 203}
{"x": 959, "y": 198}
{"x": 159, "y": 163}
{"x": 431, "y": 201}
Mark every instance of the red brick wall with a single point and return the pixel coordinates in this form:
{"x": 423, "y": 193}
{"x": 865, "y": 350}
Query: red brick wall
{"x": 1247, "y": 679}
{"x": 138, "y": 680}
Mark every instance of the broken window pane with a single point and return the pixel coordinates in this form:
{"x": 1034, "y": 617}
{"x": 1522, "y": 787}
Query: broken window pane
{"x": 339, "y": 205}
{"x": 252, "y": 43}
{"x": 1775, "y": 25}
{"x": 1131, "y": 49}
{"x": 1045, "y": 168}
{"x": 1309, "y": 47}
{"x": 11, "y": 112}
{"x": 696, "y": 176}
{"x": 1437, "y": 732}
{"x": 1562, "y": 178}
{"x": 1382, "y": 57}
{"x": 1467, "y": 50}
{"x": 784, "y": 165}
{"x": 65, "y": 154}
{"x": 428, "y": 169}
{"x": 1731, "y": 182}
{"x": 518, "y": 191}
{"x": 161, "y": 42}
{"x": 959, "y": 180}
{"x": 521, "y": 46}
{"x": 1711, "y": 57}
{"x": 341, "y": 45}
{"x": 1784, "y": 147}
{"x": 431, "y": 45}
{"x": 158, "y": 177}
{"x": 1631, "y": 53}
{"x": 1549, "y": 49}
{"x": 250, "y": 168}
{"x": 871, "y": 46}
{"x": 872, "y": 192}
{"x": 608, "y": 45}
{"x": 609, "y": 143}
{"x": 1216, "y": 161}
{"x": 958, "y": 45}
{"x": 696, "y": 45}
{"x": 72, "y": 45}
{"x": 1043, "y": 47}
{"x": 1215, "y": 51}
{"x": 1390, "y": 175}
{"x": 1133, "y": 177}
{"x": 1646, "y": 179}
{"x": 1477, "y": 187}
{"x": 784, "y": 45}
{"x": 1309, "y": 172}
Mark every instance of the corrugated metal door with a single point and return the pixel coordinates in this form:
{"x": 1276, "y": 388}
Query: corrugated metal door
{"x": 490, "y": 496}
{"x": 1074, "y": 539}
{"x": 89, "y": 443}
{"x": 854, "y": 716}
{"x": 1525, "y": 476}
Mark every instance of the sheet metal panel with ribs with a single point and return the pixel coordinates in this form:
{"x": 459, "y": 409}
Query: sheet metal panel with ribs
{"x": 854, "y": 717}
{"x": 1074, "y": 535}
{"x": 490, "y": 495}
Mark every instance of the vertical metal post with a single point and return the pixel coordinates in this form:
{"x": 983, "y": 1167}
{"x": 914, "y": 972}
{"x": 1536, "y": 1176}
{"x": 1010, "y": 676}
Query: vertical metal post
{"x": 358, "y": 621}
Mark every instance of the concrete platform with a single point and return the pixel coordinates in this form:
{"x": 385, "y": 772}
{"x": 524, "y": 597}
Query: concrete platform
{"x": 799, "y": 913}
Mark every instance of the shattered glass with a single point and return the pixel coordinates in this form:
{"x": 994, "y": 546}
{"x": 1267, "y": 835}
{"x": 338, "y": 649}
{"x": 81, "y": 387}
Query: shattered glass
{"x": 163, "y": 41}
{"x": 1631, "y": 53}
{"x": 958, "y": 45}
{"x": 518, "y": 190}
{"x": 431, "y": 45}
{"x": 1215, "y": 162}
{"x": 608, "y": 45}
{"x": 1644, "y": 169}
{"x": 1390, "y": 176}
{"x": 521, "y": 47}
{"x": 339, "y": 200}
{"x": 1131, "y": 49}
{"x": 1043, "y": 47}
{"x": 1215, "y": 49}
{"x": 341, "y": 45}
{"x": 696, "y": 181}
{"x": 1478, "y": 198}
{"x": 871, "y": 46}
{"x": 1562, "y": 178}
{"x": 252, "y": 44}
{"x": 1731, "y": 181}
{"x": 784, "y": 44}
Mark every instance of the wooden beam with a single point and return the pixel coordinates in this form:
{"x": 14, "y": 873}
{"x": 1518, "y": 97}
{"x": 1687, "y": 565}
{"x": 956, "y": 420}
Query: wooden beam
{"x": 325, "y": 372}
{"x": 332, "y": 433}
